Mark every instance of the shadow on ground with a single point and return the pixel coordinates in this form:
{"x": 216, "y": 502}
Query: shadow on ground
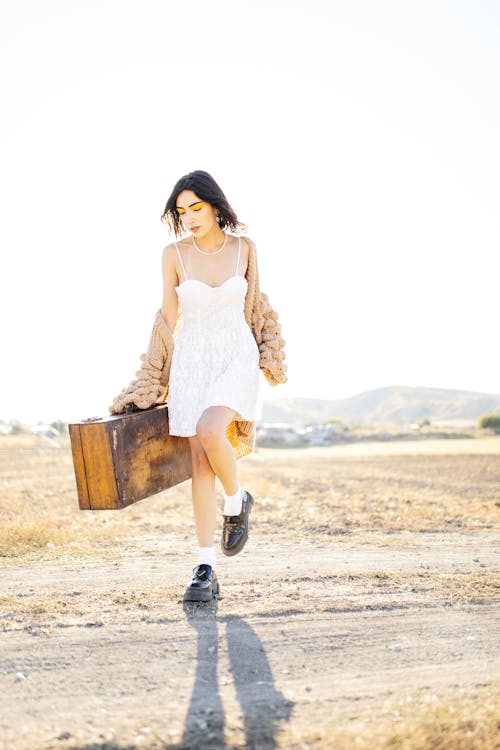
{"x": 263, "y": 708}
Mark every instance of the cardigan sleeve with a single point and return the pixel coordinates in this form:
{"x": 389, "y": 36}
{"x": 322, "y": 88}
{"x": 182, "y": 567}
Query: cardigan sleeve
{"x": 152, "y": 378}
{"x": 263, "y": 321}
{"x": 271, "y": 344}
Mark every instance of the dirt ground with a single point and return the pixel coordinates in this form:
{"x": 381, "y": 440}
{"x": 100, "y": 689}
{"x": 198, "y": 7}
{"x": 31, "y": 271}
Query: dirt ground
{"x": 363, "y": 613}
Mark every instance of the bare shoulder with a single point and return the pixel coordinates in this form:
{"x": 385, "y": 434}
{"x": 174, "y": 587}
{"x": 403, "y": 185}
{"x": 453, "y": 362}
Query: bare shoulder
{"x": 170, "y": 257}
{"x": 246, "y": 243}
{"x": 169, "y": 251}
{"x": 169, "y": 262}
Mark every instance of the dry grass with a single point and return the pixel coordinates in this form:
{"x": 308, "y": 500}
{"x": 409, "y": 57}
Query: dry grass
{"x": 459, "y": 587}
{"x": 329, "y": 495}
{"x": 422, "y": 722}
{"x": 355, "y": 593}
{"x": 39, "y": 506}
{"x": 318, "y": 495}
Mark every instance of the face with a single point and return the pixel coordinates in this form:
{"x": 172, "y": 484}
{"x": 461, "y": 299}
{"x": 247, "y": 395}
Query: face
{"x": 197, "y": 216}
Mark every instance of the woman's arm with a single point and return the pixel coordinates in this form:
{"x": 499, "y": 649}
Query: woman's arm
{"x": 170, "y": 281}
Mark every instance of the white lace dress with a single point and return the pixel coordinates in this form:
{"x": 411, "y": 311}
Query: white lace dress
{"x": 216, "y": 359}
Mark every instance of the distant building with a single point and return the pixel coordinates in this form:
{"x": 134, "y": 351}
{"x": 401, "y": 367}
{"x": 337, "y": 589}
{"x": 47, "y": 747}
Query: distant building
{"x": 45, "y": 430}
{"x": 320, "y": 434}
{"x": 276, "y": 435}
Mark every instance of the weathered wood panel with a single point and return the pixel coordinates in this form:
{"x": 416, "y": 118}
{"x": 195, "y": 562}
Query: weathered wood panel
{"x": 121, "y": 459}
{"x": 78, "y": 463}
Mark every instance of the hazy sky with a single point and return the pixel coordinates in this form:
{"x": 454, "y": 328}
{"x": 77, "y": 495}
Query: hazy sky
{"x": 358, "y": 140}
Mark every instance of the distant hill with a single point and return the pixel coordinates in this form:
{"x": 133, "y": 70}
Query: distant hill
{"x": 390, "y": 405}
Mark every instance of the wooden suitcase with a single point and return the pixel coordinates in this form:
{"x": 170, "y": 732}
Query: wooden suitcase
{"x": 121, "y": 459}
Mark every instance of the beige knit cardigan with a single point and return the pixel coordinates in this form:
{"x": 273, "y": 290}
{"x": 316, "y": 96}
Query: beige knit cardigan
{"x": 151, "y": 384}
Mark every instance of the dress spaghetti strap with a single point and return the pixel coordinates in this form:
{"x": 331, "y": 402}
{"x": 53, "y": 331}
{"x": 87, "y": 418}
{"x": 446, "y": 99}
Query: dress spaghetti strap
{"x": 180, "y": 261}
{"x": 238, "y": 258}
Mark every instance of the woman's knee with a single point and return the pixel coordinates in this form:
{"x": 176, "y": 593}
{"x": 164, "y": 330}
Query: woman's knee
{"x": 208, "y": 432}
{"x": 199, "y": 460}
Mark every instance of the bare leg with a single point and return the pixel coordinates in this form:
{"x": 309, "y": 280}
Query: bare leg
{"x": 203, "y": 490}
{"x": 211, "y": 431}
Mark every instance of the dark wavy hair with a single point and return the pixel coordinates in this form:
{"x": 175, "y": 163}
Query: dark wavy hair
{"x": 207, "y": 190}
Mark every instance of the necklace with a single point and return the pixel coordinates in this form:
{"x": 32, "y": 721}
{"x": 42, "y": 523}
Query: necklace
{"x": 216, "y": 252}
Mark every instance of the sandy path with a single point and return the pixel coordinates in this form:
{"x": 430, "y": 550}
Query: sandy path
{"x": 104, "y": 655}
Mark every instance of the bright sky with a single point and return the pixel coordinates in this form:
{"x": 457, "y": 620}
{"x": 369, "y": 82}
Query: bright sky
{"x": 358, "y": 140}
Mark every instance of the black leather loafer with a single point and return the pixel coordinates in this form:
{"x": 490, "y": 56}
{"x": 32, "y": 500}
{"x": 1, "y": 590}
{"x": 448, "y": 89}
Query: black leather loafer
{"x": 235, "y": 530}
{"x": 204, "y": 585}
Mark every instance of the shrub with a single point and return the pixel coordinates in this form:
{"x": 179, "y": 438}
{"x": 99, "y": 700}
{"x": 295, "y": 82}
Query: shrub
{"x": 489, "y": 420}
{"x": 336, "y": 421}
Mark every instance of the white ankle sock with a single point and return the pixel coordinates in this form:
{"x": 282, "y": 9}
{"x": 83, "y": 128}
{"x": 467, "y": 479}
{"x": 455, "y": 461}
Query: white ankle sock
{"x": 207, "y": 556}
{"x": 233, "y": 503}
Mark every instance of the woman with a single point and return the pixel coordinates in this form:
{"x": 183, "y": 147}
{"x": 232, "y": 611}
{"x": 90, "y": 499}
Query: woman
{"x": 224, "y": 331}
